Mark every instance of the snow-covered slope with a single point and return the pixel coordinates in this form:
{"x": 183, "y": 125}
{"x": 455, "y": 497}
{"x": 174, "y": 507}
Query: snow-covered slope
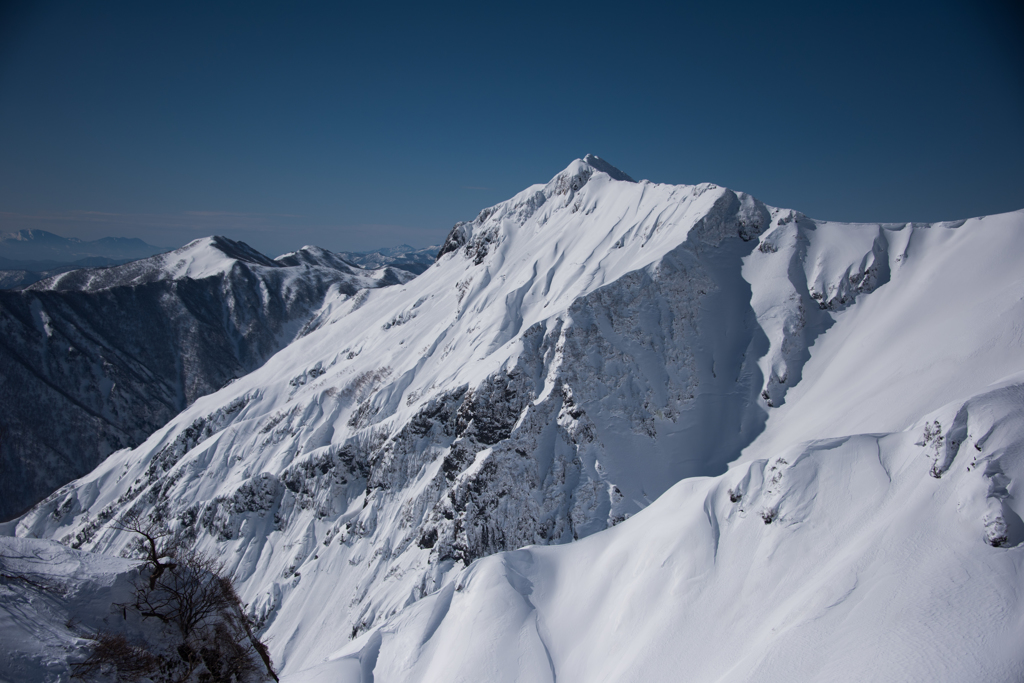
{"x": 575, "y": 352}
{"x": 96, "y": 359}
{"x": 831, "y": 560}
{"x": 52, "y": 598}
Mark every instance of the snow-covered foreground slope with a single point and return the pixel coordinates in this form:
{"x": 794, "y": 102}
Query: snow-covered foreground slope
{"x": 575, "y": 352}
{"x": 831, "y": 560}
{"x": 52, "y": 598}
{"x": 96, "y": 359}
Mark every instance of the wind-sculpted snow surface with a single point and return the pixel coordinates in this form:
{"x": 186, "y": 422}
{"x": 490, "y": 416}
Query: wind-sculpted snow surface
{"x": 574, "y": 352}
{"x": 96, "y": 359}
{"x": 832, "y": 560}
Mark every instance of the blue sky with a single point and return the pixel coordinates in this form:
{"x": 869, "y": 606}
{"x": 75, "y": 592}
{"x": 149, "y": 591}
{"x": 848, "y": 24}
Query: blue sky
{"x": 353, "y": 127}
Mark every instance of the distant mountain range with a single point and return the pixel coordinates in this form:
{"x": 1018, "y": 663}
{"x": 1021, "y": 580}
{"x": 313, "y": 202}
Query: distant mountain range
{"x": 28, "y": 256}
{"x": 403, "y": 256}
{"x": 39, "y": 245}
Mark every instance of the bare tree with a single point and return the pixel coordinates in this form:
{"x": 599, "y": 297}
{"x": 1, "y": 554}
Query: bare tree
{"x": 114, "y": 651}
{"x": 204, "y": 634}
{"x": 157, "y": 542}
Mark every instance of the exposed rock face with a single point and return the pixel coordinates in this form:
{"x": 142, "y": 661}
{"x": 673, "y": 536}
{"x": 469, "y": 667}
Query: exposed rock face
{"x": 95, "y": 360}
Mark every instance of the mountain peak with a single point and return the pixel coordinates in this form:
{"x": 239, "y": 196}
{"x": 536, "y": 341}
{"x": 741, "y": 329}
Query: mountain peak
{"x": 580, "y": 171}
{"x": 575, "y": 351}
{"x": 314, "y": 256}
{"x": 223, "y": 246}
{"x": 599, "y": 164}
{"x": 200, "y": 258}
{"x": 523, "y": 205}
{"x": 36, "y": 235}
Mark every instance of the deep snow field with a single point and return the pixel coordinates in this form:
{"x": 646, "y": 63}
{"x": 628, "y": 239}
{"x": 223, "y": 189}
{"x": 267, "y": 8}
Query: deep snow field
{"x": 620, "y": 431}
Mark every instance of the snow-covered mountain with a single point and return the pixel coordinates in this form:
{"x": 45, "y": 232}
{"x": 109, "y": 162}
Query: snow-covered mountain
{"x": 806, "y": 436}
{"x": 96, "y": 359}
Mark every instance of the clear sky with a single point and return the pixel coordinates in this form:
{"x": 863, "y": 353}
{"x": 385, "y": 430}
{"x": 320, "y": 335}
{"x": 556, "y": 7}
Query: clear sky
{"x": 353, "y": 127}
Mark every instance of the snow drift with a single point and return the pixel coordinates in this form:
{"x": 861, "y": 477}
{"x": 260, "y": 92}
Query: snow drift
{"x": 833, "y": 560}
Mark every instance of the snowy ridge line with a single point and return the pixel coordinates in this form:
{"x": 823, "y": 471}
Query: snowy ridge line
{"x": 573, "y": 353}
{"x": 216, "y": 256}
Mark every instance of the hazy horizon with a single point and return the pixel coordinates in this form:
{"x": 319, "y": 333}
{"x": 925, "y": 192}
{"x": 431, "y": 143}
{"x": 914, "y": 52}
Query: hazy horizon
{"x": 166, "y": 247}
{"x": 356, "y": 128}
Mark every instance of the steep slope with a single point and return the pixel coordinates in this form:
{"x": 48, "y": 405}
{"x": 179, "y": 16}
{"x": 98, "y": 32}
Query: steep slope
{"x": 94, "y": 360}
{"x": 872, "y": 531}
{"x": 574, "y": 352}
{"x": 830, "y": 560}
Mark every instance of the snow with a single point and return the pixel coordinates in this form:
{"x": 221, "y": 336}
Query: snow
{"x": 522, "y": 464}
{"x": 403, "y": 256}
{"x": 948, "y": 324}
{"x": 53, "y": 599}
{"x": 872, "y": 570}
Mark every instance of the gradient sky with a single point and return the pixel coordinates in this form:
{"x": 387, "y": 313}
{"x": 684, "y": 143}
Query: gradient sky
{"x": 353, "y": 127}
